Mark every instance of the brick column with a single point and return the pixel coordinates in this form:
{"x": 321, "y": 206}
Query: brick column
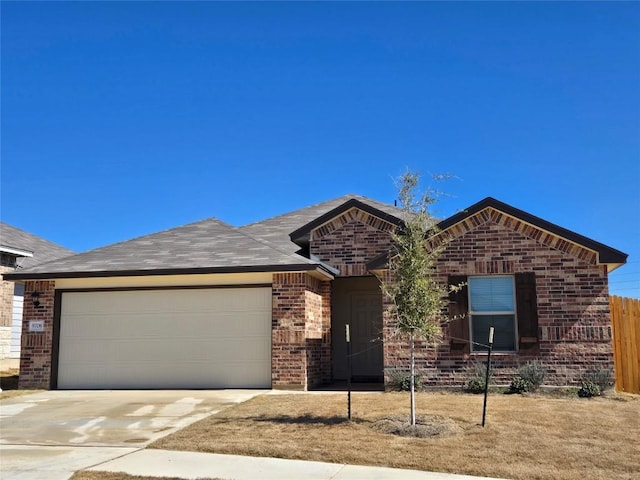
{"x": 301, "y": 323}
{"x": 37, "y": 347}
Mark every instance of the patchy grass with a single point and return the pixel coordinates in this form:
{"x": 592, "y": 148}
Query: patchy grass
{"x": 9, "y": 383}
{"x": 527, "y": 437}
{"x": 119, "y": 476}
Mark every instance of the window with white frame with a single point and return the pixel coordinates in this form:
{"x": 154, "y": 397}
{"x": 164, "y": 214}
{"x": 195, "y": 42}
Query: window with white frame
{"x": 492, "y": 303}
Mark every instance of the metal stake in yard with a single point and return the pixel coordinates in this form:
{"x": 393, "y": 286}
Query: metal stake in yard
{"x": 348, "y": 338}
{"x": 486, "y": 375}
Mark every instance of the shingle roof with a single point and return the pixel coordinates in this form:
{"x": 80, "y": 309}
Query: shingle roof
{"x": 276, "y": 230}
{"x": 43, "y": 250}
{"x": 208, "y": 246}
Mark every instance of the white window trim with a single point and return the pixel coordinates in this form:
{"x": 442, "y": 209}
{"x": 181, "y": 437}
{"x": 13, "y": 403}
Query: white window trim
{"x": 478, "y": 349}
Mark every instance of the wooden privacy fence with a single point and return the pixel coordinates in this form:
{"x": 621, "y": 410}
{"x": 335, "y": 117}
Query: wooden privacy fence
{"x": 625, "y": 322}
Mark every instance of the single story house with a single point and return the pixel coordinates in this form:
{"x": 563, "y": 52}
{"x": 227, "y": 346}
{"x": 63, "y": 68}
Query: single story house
{"x": 209, "y": 305}
{"x": 19, "y": 250}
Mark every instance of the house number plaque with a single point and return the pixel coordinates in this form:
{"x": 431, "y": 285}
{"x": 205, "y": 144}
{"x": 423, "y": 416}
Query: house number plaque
{"x": 36, "y": 325}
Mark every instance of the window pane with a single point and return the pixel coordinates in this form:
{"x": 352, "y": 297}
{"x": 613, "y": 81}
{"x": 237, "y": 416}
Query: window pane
{"x": 504, "y": 331}
{"x": 491, "y": 294}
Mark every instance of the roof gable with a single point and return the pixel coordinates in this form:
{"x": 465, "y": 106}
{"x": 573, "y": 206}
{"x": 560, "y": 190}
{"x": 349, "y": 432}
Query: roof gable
{"x": 342, "y": 214}
{"x": 550, "y": 234}
{"x": 276, "y": 230}
{"x": 534, "y": 227}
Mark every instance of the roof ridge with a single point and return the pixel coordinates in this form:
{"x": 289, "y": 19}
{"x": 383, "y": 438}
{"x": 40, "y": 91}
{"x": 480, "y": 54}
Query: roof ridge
{"x": 272, "y": 246}
{"x": 314, "y": 205}
{"x": 346, "y": 198}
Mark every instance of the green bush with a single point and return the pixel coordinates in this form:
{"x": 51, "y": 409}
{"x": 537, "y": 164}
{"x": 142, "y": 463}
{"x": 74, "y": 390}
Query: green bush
{"x": 401, "y": 380}
{"x": 533, "y": 374}
{"x": 476, "y": 381}
{"x": 602, "y": 377}
{"x": 474, "y": 385}
{"x": 520, "y": 385}
{"x": 589, "y": 389}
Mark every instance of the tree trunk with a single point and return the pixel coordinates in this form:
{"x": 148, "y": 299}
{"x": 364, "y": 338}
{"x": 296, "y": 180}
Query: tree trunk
{"x": 412, "y": 382}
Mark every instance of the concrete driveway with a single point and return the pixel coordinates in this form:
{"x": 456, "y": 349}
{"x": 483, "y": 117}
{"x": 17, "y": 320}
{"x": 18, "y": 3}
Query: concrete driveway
{"x": 53, "y": 434}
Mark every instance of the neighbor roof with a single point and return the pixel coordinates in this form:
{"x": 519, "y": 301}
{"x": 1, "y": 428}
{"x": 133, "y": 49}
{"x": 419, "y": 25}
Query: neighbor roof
{"x": 35, "y": 250}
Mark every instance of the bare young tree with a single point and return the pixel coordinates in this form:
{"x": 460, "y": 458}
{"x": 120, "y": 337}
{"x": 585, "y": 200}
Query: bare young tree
{"x": 417, "y": 299}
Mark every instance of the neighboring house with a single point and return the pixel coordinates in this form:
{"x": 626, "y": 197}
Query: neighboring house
{"x": 208, "y": 305}
{"x": 18, "y": 250}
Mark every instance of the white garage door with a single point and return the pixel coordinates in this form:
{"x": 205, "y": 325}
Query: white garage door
{"x": 190, "y": 338}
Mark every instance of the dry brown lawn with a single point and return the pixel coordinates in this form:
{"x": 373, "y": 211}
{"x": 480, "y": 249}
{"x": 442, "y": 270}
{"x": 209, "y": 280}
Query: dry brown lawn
{"x": 526, "y": 437}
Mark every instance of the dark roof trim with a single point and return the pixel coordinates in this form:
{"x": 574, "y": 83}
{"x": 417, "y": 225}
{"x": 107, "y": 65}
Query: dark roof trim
{"x": 301, "y": 235}
{"x": 304, "y": 267}
{"x": 378, "y": 263}
{"x": 606, "y": 254}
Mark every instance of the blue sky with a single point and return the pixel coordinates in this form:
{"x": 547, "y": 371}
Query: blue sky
{"x": 124, "y": 118}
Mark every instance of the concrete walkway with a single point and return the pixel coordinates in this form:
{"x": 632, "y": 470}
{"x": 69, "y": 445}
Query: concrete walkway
{"x": 192, "y": 465}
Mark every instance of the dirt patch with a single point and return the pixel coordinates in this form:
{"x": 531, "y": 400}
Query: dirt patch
{"x": 427, "y": 426}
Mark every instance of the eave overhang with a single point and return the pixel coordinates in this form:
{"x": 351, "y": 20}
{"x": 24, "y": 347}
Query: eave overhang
{"x": 321, "y": 271}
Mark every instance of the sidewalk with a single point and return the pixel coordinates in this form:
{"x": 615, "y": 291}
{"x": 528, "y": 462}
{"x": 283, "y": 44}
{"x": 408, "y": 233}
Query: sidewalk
{"x": 192, "y": 465}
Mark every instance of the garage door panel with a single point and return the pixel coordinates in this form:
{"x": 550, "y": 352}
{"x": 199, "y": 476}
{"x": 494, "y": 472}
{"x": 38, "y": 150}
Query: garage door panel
{"x": 210, "y": 338}
{"x": 195, "y": 374}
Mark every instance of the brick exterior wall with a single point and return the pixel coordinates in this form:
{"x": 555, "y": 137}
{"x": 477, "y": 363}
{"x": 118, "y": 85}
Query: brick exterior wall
{"x": 37, "y": 348}
{"x": 349, "y": 241}
{"x": 574, "y": 329}
{"x": 301, "y": 331}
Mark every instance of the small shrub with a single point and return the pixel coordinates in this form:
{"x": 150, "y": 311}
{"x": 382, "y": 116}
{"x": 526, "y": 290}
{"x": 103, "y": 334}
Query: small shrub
{"x": 476, "y": 382}
{"x": 520, "y": 385}
{"x": 602, "y": 377}
{"x": 588, "y": 390}
{"x": 533, "y": 374}
{"x": 474, "y": 385}
{"x": 401, "y": 381}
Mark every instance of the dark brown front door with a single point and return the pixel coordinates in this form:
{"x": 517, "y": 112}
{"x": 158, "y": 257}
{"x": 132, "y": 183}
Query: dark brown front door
{"x": 358, "y": 302}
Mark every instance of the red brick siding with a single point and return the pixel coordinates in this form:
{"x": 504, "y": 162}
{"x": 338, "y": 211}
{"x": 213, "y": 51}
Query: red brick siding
{"x": 354, "y": 241}
{"x": 37, "y": 348}
{"x": 301, "y": 340}
{"x": 572, "y": 296}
